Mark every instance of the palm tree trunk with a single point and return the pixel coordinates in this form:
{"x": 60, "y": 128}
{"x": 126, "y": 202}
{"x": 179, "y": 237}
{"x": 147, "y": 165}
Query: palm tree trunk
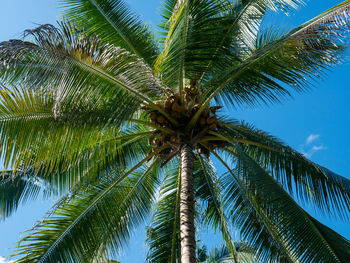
{"x": 187, "y": 229}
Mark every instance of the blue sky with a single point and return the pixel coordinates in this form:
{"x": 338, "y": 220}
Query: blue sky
{"x": 315, "y": 123}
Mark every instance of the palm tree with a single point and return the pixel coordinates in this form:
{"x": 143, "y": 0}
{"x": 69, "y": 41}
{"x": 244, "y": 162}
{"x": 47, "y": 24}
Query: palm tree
{"x": 221, "y": 254}
{"x": 126, "y": 127}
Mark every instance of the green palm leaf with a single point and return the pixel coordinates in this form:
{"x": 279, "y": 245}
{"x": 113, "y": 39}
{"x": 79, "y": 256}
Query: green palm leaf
{"x": 202, "y": 33}
{"x": 239, "y": 36}
{"x": 221, "y": 254}
{"x": 309, "y": 181}
{"x": 113, "y": 22}
{"x": 293, "y": 58}
{"x": 18, "y": 188}
{"x": 37, "y": 139}
{"x": 208, "y": 188}
{"x": 290, "y": 226}
{"x": 80, "y": 65}
{"x": 192, "y": 32}
{"x": 163, "y": 236}
{"x": 102, "y": 216}
{"x": 86, "y": 167}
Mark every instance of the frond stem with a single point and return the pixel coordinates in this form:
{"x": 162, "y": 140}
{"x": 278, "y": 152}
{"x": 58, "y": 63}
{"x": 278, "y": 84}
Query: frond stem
{"x": 222, "y": 41}
{"x": 116, "y": 28}
{"x": 182, "y": 58}
{"x": 226, "y": 235}
{"x": 100, "y": 197}
{"x": 257, "y": 57}
{"x": 127, "y": 136}
{"x": 265, "y": 217}
{"x": 166, "y": 130}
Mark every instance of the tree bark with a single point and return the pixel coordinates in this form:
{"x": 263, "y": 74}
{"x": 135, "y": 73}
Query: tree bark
{"x": 187, "y": 228}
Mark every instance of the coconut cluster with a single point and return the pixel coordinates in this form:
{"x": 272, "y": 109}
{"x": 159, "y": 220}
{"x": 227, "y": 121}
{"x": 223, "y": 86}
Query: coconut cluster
{"x": 183, "y": 111}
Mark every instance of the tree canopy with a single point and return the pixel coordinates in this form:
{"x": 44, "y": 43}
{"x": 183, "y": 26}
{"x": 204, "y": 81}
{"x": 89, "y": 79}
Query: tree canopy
{"x": 124, "y": 124}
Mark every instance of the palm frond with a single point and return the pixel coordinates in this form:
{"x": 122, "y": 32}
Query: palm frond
{"x": 21, "y": 112}
{"x": 63, "y": 154}
{"x": 37, "y": 139}
{"x": 110, "y": 209}
{"x": 17, "y": 188}
{"x": 163, "y": 235}
{"x": 81, "y": 66}
{"x": 310, "y": 182}
{"x": 252, "y": 226}
{"x": 208, "y": 189}
{"x": 81, "y": 168}
{"x": 221, "y": 254}
{"x": 115, "y": 23}
{"x": 288, "y": 224}
{"x": 295, "y": 58}
{"x": 240, "y": 22}
{"x": 192, "y": 31}
{"x": 200, "y": 33}
{"x": 144, "y": 187}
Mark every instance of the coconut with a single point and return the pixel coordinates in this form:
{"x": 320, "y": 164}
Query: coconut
{"x": 212, "y": 120}
{"x": 160, "y": 119}
{"x": 153, "y": 117}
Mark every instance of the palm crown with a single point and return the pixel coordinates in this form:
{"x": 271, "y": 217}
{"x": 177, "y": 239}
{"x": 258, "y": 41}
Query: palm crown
{"x": 124, "y": 126}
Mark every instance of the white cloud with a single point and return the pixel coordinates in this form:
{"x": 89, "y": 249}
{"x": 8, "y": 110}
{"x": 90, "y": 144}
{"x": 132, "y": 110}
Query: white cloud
{"x": 3, "y": 260}
{"x": 310, "y": 148}
{"x": 311, "y": 138}
{"x": 313, "y": 150}
{"x": 318, "y": 148}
